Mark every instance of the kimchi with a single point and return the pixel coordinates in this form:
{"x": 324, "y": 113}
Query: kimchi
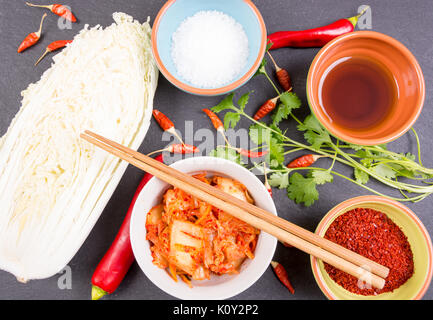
{"x": 192, "y": 239}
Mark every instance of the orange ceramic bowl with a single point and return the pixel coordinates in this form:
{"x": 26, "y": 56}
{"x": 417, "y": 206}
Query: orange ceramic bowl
{"x": 416, "y": 234}
{"x": 393, "y": 56}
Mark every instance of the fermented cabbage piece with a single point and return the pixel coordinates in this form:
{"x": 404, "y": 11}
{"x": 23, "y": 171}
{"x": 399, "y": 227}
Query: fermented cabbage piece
{"x": 54, "y": 185}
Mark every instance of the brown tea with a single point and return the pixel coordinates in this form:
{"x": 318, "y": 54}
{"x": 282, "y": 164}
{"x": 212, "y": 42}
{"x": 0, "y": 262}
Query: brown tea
{"x": 357, "y": 93}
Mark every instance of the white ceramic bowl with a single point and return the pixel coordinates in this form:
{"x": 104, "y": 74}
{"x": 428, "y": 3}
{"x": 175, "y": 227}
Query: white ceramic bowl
{"x": 218, "y": 287}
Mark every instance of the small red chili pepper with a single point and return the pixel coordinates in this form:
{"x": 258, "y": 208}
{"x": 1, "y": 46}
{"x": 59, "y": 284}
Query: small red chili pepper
{"x": 182, "y": 148}
{"x": 118, "y": 259}
{"x": 251, "y": 154}
{"x": 282, "y": 76}
{"x": 217, "y": 123}
{"x": 58, "y": 9}
{"x": 317, "y": 37}
{"x": 32, "y": 38}
{"x": 165, "y": 123}
{"x": 267, "y": 107}
{"x": 304, "y": 161}
{"x": 53, "y": 46}
{"x": 282, "y": 275}
{"x": 179, "y": 148}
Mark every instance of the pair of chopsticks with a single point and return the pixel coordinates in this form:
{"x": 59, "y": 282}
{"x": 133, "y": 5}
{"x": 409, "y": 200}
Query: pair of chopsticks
{"x": 285, "y": 231}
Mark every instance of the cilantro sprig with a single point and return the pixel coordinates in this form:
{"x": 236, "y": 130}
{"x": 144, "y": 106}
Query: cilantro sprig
{"x": 302, "y": 184}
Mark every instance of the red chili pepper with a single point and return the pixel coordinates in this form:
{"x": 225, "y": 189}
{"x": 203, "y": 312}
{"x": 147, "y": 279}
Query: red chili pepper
{"x": 304, "y": 161}
{"x": 282, "y": 275}
{"x": 165, "y": 123}
{"x": 282, "y": 76}
{"x": 267, "y": 107}
{"x": 58, "y": 9}
{"x": 252, "y": 154}
{"x": 53, "y": 46}
{"x": 116, "y": 262}
{"x": 32, "y": 38}
{"x": 317, "y": 37}
{"x": 182, "y": 148}
{"x": 217, "y": 123}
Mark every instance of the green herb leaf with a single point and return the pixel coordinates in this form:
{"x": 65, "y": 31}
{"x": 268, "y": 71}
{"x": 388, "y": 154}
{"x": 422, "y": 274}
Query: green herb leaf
{"x": 226, "y": 153}
{"x": 322, "y": 176}
{"x": 242, "y": 102}
{"x": 226, "y": 103}
{"x": 289, "y": 102}
{"x": 276, "y": 151}
{"x": 361, "y": 176}
{"x": 385, "y": 171}
{"x": 260, "y": 135}
{"x": 311, "y": 123}
{"x": 279, "y": 180}
{"x": 409, "y": 156}
{"x": 302, "y": 189}
{"x": 355, "y": 147}
{"x": 262, "y": 68}
{"x": 315, "y": 134}
{"x": 317, "y": 140}
{"x": 231, "y": 119}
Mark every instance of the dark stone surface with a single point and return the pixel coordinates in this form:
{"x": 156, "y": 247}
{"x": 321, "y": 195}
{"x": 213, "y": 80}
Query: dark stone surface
{"x": 407, "y": 21}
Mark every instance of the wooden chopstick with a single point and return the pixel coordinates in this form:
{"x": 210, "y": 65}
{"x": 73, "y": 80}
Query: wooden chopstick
{"x": 325, "y": 250}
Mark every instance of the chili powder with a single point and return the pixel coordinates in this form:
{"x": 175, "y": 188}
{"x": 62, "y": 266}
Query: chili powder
{"x": 371, "y": 234}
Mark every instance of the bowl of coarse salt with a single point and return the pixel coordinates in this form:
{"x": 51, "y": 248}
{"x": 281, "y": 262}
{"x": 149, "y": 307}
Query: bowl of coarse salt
{"x": 208, "y": 47}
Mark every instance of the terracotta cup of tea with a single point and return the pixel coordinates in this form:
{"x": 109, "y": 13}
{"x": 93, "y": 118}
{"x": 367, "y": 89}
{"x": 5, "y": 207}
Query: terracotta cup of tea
{"x": 366, "y": 88}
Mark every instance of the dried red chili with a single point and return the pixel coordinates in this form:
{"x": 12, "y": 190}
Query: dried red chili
{"x": 53, "y": 46}
{"x": 282, "y": 76}
{"x": 375, "y": 236}
{"x": 32, "y": 38}
{"x": 165, "y": 123}
{"x": 267, "y": 107}
{"x": 282, "y": 275}
{"x": 58, "y": 9}
{"x": 179, "y": 148}
{"x": 303, "y": 161}
{"x": 251, "y": 154}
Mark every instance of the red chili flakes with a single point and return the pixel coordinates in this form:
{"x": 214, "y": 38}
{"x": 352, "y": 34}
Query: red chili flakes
{"x": 375, "y": 236}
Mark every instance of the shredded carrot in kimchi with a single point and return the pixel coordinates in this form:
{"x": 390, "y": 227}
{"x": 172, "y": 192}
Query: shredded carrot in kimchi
{"x": 192, "y": 239}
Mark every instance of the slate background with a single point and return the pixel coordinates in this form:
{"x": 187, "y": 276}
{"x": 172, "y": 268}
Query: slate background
{"x": 408, "y": 21}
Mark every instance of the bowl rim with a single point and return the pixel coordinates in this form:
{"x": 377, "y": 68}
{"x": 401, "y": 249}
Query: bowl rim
{"x": 214, "y": 91}
{"x": 399, "y": 46}
{"x": 268, "y": 251}
{"x": 331, "y": 215}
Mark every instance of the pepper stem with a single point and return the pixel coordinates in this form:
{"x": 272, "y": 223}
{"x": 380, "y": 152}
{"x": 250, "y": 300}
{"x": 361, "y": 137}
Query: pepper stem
{"x": 277, "y": 68}
{"x": 354, "y": 20}
{"x": 40, "y": 26}
{"x": 39, "y": 5}
{"x": 98, "y": 293}
{"x": 173, "y": 131}
{"x": 42, "y": 56}
{"x": 157, "y": 151}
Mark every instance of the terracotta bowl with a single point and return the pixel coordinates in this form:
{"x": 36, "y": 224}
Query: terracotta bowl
{"x": 397, "y": 59}
{"x": 416, "y": 234}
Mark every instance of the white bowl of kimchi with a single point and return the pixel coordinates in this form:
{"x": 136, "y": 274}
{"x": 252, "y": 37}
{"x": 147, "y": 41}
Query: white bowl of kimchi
{"x": 214, "y": 286}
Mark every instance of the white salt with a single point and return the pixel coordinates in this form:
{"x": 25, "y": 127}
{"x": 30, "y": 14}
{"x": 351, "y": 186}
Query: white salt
{"x": 209, "y": 49}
